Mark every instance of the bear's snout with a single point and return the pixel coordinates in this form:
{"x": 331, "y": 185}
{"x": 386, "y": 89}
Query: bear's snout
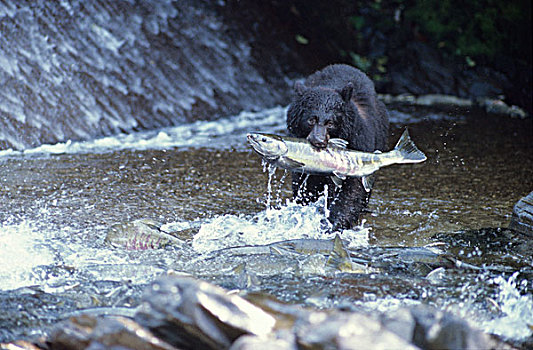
{"x": 319, "y": 137}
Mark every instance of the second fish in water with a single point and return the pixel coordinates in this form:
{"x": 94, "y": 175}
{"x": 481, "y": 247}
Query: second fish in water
{"x": 300, "y": 156}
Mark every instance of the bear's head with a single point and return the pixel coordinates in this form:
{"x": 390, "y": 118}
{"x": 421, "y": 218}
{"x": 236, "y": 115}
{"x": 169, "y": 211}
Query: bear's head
{"x": 320, "y": 113}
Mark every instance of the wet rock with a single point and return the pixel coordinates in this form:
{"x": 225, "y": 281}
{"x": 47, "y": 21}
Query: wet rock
{"x": 346, "y": 331}
{"x": 417, "y": 68}
{"x": 187, "y": 313}
{"x": 489, "y": 105}
{"x": 194, "y": 314}
{"x": 423, "y": 69}
{"x": 284, "y": 341}
{"x": 429, "y": 328}
{"x": 19, "y": 345}
{"x": 140, "y": 235}
{"x": 434, "y": 100}
{"x": 80, "y": 70}
{"x": 522, "y": 219}
{"x": 497, "y": 106}
{"x": 104, "y": 333}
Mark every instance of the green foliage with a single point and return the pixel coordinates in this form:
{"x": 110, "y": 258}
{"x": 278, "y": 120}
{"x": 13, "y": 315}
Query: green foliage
{"x": 360, "y": 62}
{"x": 357, "y": 22}
{"x": 474, "y": 28}
{"x": 301, "y": 39}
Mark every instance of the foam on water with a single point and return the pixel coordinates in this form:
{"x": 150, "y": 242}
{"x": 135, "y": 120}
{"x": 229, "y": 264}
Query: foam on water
{"x": 224, "y": 133}
{"x": 20, "y": 254}
{"x": 290, "y": 221}
{"x": 274, "y": 224}
{"x": 34, "y": 252}
{"x": 516, "y": 320}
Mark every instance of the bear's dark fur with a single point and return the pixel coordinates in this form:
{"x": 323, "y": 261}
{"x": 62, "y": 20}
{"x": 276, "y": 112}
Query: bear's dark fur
{"x": 338, "y": 101}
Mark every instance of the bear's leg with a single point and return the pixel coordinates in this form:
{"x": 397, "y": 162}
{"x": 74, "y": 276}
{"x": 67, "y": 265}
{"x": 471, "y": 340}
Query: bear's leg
{"x": 347, "y": 206}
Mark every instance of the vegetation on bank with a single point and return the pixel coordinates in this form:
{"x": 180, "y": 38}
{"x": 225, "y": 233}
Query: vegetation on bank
{"x": 478, "y": 31}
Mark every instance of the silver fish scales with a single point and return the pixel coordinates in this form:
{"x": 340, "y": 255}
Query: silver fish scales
{"x": 336, "y": 160}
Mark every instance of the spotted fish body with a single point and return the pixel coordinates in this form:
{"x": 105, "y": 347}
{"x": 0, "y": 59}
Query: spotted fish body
{"x": 300, "y": 156}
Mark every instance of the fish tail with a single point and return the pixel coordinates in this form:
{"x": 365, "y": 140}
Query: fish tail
{"x": 407, "y": 150}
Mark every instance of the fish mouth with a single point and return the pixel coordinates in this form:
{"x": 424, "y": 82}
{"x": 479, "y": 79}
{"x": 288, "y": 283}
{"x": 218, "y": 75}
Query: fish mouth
{"x": 252, "y": 140}
{"x": 259, "y": 149}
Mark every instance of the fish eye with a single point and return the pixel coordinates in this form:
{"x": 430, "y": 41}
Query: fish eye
{"x": 264, "y": 139}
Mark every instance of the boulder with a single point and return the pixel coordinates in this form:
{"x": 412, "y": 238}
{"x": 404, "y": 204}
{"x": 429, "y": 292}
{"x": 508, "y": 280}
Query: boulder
{"x": 104, "y": 333}
{"x": 346, "y": 331}
{"x": 187, "y": 313}
{"x": 193, "y": 314}
{"x": 522, "y": 219}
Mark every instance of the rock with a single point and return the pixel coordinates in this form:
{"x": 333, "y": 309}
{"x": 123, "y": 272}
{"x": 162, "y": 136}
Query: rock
{"x": 522, "y": 219}
{"x": 103, "y": 333}
{"x": 252, "y": 342}
{"x": 497, "y": 106}
{"x": 194, "y": 314}
{"x": 436, "y": 99}
{"x": 429, "y": 328}
{"x": 419, "y": 69}
{"x": 19, "y": 345}
{"x": 187, "y": 313}
{"x": 154, "y": 64}
{"x": 346, "y": 331}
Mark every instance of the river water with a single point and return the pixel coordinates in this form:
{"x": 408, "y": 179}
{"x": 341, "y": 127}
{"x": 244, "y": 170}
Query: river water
{"x": 203, "y": 184}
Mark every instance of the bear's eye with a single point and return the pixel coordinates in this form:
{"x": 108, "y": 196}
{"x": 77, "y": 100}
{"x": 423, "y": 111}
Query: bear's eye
{"x": 312, "y": 121}
{"x": 330, "y": 124}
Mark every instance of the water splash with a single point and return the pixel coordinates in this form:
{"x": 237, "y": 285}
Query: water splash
{"x": 290, "y": 221}
{"x": 271, "y": 172}
{"x": 20, "y": 254}
{"x": 516, "y": 320}
{"x": 275, "y": 223}
{"x": 35, "y": 252}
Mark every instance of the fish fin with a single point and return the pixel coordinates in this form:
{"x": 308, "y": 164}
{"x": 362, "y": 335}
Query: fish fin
{"x": 276, "y": 250}
{"x": 241, "y": 268}
{"x": 368, "y": 182}
{"x": 339, "y": 256}
{"x": 339, "y": 143}
{"x": 407, "y": 150}
{"x": 336, "y": 180}
{"x": 291, "y": 163}
{"x": 270, "y": 159}
{"x": 377, "y": 151}
{"x": 339, "y": 175}
{"x": 338, "y": 247}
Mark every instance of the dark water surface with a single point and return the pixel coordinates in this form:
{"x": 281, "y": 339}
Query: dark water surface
{"x": 57, "y": 208}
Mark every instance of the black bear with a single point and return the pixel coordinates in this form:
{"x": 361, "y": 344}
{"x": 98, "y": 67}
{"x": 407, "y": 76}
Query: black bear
{"x": 338, "y": 101}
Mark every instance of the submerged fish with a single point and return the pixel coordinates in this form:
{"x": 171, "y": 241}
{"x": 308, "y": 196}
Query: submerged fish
{"x": 140, "y": 234}
{"x": 300, "y": 156}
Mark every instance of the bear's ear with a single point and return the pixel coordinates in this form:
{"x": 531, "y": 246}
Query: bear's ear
{"x": 299, "y": 88}
{"x": 347, "y": 92}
